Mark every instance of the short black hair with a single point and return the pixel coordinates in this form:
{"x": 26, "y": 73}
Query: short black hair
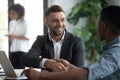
{"x": 53, "y": 8}
{"x": 18, "y": 8}
{"x": 111, "y": 14}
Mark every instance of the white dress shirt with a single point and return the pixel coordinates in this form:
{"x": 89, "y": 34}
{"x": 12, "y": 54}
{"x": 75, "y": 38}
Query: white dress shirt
{"x": 57, "y": 49}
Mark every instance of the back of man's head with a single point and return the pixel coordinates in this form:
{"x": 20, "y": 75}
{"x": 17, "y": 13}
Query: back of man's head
{"x": 53, "y": 8}
{"x": 111, "y": 16}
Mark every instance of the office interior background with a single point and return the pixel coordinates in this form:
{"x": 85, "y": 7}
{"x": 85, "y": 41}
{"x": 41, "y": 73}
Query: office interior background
{"x": 76, "y": 22}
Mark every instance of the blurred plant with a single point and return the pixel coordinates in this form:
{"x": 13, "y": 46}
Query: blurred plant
{"x": 91, "y": 10}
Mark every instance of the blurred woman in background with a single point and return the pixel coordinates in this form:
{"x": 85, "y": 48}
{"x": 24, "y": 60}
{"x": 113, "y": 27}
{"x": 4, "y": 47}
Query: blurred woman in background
{"x": 17, "y": 35}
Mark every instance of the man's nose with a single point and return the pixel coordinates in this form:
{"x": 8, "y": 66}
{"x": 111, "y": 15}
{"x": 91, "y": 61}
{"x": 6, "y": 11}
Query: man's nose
{"x": 60, "y": 23}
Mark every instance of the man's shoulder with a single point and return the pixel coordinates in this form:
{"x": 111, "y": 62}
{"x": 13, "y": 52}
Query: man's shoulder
{"x": 41, "y": 36}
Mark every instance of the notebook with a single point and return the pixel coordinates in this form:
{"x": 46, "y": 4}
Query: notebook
{"x": 8, "y": 68}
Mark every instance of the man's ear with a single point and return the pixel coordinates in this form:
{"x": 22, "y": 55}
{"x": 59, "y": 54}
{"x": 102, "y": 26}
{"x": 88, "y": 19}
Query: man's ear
{"x": 104, "y": 26}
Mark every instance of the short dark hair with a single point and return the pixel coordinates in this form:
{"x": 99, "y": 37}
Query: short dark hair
{"x": 111, "y": 14}
{"x": 18, "y": 8}
{"x": 53, "y": 8}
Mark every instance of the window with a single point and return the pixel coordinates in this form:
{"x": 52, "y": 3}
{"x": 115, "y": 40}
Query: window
{"x": 3, "y": 25}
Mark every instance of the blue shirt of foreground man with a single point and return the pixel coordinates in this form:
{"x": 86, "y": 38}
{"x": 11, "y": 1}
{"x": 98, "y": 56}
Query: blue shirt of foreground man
{"x": 107, "y": 68}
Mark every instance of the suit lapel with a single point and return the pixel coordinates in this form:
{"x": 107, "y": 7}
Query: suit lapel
{"x": 50, "y": 47}
{"x": 65, "y": 44}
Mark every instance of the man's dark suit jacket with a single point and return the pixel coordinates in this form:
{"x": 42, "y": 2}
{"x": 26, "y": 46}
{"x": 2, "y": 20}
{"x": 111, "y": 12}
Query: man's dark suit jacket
{"x": 72, "y": 49}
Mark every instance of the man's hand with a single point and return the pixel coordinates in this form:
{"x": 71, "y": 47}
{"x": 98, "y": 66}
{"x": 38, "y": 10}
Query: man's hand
{"x": 67, "y": 64}
{"x": 55, "y": 65}
{"x": 33, "y": 74}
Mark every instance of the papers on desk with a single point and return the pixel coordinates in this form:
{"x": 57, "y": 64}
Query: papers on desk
{"x": 2, "y": 74}
{"x": 17, "y": 71}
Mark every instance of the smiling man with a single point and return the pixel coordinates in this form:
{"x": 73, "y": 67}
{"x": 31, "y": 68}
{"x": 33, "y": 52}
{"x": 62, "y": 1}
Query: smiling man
{"x": 58, "y": 43}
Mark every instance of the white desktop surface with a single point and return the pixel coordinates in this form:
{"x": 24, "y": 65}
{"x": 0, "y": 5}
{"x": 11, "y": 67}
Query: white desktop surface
{"x": 18, "y": 72}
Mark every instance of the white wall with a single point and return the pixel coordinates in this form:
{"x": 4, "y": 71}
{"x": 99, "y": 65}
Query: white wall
{"x": 67, "y": 6}
{"x": 4, "y": 25}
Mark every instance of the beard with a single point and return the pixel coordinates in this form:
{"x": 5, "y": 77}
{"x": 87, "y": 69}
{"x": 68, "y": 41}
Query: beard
{"x": 57, "y": 33}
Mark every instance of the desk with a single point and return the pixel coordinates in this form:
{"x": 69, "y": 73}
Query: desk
{"x": 18, "y": 72}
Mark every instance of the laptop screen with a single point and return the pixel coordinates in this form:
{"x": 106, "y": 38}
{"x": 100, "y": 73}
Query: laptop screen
{"x": 6, "y": 65}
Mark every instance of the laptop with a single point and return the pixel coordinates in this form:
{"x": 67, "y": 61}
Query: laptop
{"x": 8, "y": 68}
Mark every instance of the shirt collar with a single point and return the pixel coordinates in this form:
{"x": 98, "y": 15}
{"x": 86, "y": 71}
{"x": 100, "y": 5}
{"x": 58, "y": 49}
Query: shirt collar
{"x": 51, "y": 39}
{"x": 115, "y": 42}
